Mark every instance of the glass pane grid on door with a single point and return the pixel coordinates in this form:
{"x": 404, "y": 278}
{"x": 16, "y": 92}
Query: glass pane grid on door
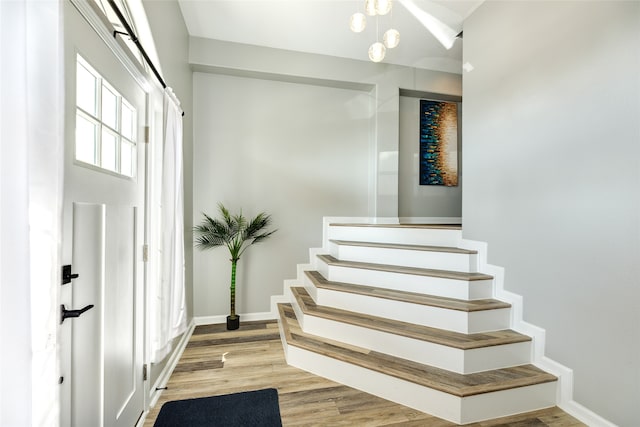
{"x": 106, "y": 124}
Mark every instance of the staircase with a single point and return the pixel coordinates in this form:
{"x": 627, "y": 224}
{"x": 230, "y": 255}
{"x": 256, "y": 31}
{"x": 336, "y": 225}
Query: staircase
{"x": 401, "y": 312}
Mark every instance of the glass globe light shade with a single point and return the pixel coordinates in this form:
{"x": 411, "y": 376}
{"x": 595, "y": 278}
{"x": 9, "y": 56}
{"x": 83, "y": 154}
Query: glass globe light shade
{"x": 391, "y": 38}
{"x": 383, "y": 6}
{"x": 358, "y": 22}
{"x": 370, "y": 7}
{"x": 377, "y": 51}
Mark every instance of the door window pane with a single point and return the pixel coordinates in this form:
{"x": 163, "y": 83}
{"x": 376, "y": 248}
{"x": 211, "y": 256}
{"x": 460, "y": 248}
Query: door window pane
{"x": 109, "y": 150}
{"x": 109, "y": 108}
{"x": 128, "y": 122}
{"x": 86, "y": 85}
{"x": 127, "y": 158}
{"x": 86, "y": 140}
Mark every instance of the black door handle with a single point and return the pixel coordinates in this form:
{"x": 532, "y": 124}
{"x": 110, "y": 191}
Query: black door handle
{"x": 67, "y": 275}
{"x": 64, "y": 313}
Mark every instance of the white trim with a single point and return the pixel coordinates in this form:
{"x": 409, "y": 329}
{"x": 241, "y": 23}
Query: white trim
{"x": 430, "y": 220}
{"x": 585, "y": 415}
{"x": 143, "y": 31}
{"x": 222, "y": 318}
{"x": 564, "y": 374}
{"x": 119, "y": 49}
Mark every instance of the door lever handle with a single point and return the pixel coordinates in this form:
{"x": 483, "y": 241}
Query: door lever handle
{"x": 65, "y": 314}
{"x": 67, "y": 275}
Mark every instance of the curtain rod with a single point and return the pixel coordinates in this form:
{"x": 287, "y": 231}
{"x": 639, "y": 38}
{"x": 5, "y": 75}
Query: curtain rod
{"x": 134, "y": 39}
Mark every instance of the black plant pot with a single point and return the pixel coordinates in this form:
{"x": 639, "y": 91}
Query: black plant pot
{"x": 233, "y": 324}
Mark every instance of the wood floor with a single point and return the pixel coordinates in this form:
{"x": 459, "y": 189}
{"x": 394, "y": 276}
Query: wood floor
{"x": 254, "y": 360}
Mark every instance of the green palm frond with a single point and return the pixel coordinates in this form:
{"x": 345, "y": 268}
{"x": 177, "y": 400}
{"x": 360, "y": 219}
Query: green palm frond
{"x": 211, "y": 233}
{"x": 235, "y": 232}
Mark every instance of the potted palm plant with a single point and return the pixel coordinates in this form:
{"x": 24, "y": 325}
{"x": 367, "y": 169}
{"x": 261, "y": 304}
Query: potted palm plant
{"x": 237, "y": 234}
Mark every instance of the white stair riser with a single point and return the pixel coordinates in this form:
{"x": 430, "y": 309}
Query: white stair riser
{"x": 424, "y": 399}
{"x": 436, "y": 286}
{"x": 450, "y": 261}
{"x": 439, "y": 356}
{"x": 425, "y": 315}
{"x": 499, "y": 356}
{"x": 449, "y": 407}
{"x": 310, "y": 288}
{"x": 488, "y": 406}
{"x": 407, "y": 236}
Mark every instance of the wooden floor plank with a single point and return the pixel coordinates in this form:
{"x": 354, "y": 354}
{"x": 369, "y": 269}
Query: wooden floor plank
{"x": 305, "y": 399}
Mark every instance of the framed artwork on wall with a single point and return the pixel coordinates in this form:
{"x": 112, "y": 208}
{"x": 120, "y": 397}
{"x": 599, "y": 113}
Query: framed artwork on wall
{"x": 438, "y": 143}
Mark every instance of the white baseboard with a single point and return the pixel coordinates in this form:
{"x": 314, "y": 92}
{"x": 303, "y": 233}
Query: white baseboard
{"x": 585, "y": 415}
{"x": 222, "y": 318}
{"x": 430, "y": 220}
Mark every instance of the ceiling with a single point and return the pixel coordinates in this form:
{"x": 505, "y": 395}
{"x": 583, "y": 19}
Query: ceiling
{"x": 322, "y": 27}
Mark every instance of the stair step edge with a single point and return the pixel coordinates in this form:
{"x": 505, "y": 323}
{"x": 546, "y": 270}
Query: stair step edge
{"x": 418, "y": 226}
{"x": 469, "y": 306}
{"x": 444, "y": 274}
{"x": 443, "y": 337}
{"x": 461, "y": 385}
{"x": 402, "y": 246}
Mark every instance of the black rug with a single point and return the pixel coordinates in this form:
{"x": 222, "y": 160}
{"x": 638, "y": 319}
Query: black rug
{"x": 246, "y": 409}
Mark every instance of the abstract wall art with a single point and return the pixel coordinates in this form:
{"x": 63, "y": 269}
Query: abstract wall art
{"x": 438, "y": 143}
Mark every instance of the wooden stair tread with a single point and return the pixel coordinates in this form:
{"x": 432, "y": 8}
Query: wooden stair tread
{"x": 410, "y": 297}
{"x": 425, "y": 248}
{"x": 421, "y": 226}
{"x": 445, "y": 274}
{"x": 461, "y": 385}
{"x": 423, "y": 333}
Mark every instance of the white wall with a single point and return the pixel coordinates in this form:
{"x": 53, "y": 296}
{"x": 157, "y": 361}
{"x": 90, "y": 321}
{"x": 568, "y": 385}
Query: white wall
{"x": 31, "y": 123}
{"x": 415, "y": 200}
{"x": 386, "y": 81}
{"x": 296, "y": 151}
{"x": 15, "y": 296}
{"x": 256, "y": 94}
{"x": 265, "y": 106}
{"x": 552, "y": 180}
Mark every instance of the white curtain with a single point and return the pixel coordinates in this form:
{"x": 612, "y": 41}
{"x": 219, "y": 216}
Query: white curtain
{"x": 171, "y": 316}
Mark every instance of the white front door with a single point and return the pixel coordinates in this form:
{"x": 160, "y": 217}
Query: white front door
{"x": 102, "y": 346}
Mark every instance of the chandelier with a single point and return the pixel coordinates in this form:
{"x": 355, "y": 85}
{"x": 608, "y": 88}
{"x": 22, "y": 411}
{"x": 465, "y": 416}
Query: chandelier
{"x": 391, "y": 37}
